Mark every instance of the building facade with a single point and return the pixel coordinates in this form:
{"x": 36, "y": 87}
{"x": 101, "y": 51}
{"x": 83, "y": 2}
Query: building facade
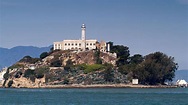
{"x": 81, "y": 45}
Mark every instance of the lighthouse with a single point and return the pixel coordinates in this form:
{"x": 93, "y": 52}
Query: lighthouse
{"x": 83, "y": 37}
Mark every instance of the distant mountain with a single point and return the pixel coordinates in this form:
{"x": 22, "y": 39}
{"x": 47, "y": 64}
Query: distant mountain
{"x": 181, "y": 74}
{"x": 11, "y": 56}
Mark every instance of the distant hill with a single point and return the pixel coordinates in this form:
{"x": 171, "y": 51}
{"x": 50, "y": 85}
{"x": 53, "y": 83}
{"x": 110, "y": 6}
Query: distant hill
{"x": 11, "y": 56}
{"x": 181, "y": 74}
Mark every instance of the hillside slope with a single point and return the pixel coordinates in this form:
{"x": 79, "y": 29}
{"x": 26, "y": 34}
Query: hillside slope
{"x": 64, "y": 67}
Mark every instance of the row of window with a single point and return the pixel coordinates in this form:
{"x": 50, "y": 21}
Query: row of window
{"x": 76, "y": 48}
{"x": 57, "y": 45}
{"x": 76, "y": 44}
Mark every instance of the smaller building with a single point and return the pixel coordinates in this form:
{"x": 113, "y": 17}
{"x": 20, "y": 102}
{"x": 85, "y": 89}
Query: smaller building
{"x": 181, "y": 83}
{"x": 135, "y": 81}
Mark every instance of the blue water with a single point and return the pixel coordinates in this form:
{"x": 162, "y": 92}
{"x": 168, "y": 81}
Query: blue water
{"x": 94, "y": 96}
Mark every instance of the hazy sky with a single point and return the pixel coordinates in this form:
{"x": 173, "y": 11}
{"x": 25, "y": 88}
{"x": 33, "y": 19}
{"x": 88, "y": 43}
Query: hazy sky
{"x": 145, "y": 26}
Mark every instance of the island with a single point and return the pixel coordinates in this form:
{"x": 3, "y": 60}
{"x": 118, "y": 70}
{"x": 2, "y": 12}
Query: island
{"x": 88, "y": 63}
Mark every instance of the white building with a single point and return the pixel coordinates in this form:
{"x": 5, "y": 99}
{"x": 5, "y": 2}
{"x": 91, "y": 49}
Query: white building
{"x": 181, "y": 83}
{"x": 82, "y": 44}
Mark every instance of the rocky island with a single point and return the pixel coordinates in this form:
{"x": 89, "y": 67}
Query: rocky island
{"x": 63, "y": 67}
{"x": 88, "y": 63}
{"x": 91, "y": 68}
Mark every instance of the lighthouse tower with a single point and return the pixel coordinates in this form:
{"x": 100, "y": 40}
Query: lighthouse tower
{"x": 83, "y": 37}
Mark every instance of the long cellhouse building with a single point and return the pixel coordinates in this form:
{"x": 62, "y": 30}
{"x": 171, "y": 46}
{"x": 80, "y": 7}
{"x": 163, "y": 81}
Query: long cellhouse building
{"x": 83, "y": 44}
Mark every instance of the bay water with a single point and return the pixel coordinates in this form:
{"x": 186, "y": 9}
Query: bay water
{"x": 94, "y": 96}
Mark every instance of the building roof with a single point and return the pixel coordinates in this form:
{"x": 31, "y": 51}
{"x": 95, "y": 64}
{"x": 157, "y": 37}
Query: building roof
{"x": 181, "y": 82}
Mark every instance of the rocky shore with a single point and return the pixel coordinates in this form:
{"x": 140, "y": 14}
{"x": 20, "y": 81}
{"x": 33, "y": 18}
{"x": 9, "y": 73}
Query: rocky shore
{"x": 99, "y": 86}
{"x": 107, "y": 86}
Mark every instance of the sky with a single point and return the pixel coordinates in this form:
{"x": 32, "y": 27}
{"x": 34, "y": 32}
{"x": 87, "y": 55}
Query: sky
{"x": 145, "y": 26}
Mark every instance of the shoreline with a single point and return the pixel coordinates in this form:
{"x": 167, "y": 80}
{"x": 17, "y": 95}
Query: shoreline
{"x": 107, "y": 86}
{"x": 96, "y": 86}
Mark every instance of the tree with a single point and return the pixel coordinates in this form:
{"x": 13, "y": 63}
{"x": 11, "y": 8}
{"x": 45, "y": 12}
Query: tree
{"x": 43, "y": 55}
{"x": 156, "y": 69}
{"x": 97, "y": 57}
{"x": 108, "y": 73}
{"x": 122, "y": 54}
{"x": 136, "y": 59}
{"x": 68, "y": 65}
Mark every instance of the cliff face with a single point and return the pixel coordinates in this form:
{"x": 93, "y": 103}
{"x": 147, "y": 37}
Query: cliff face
{"x": 64, "y": 67}
{"x": 87, "y": 57}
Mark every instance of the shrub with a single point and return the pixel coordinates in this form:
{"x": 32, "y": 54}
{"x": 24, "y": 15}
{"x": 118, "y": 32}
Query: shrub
{"x": 56, "y": 63}
{"x": 39, "y": 72}
{"x": 10, "y": 83}
{"x": 16, "y": 66}
{"x": 29, "y": 59}
{"x": 108, "y": 73}
{"x": 32, "y": 78}
{"x": 66, "y": 81}
{"x": 6, "y": 75}
{"x": 69, "y": 65}
{"x": 28, "y": 73}
{"x": 43, "y": 55}
{"x": 18, "y": 74}
{"x": 97, "y": 57}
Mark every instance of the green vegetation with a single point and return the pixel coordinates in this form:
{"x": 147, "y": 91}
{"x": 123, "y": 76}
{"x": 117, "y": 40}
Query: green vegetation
{"x": 122, "y": 54}
{"x": 40, "y": 72}
{"x": 56, "y": 63}
{"x": 18, "y": 74}
{"x": 28, "y": 59}
{"x": 16, "y": 66}
{"x": 108, "y": 72}
{"x": 69, "y": 65}
{"x": 37, "y": 73}
{"x": 66, "y": 81}
{"x": 43, "y": 55}
{"x": 10, "y": 83}
{"x": 155, "y": 68}
{"x": 91, "y": 68}
{"x": 6, "y": 76}
{"x": 97, "y": 57}
{"x": 30, "y": 74}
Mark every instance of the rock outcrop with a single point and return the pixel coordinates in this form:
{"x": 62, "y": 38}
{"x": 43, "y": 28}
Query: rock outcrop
{"x": 60, "y": 68}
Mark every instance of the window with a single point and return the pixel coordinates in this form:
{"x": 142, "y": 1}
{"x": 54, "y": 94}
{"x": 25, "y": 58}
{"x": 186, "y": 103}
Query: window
{"x": 87, "y": 44}
{"x": 69, "y": 44}
{"x": 79, "y": 44}
{"x": 72, "y": 44}
{"x": 76, "y": 44}
{"x": 90, "y": 44}
{"x": 65, "y": 44}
